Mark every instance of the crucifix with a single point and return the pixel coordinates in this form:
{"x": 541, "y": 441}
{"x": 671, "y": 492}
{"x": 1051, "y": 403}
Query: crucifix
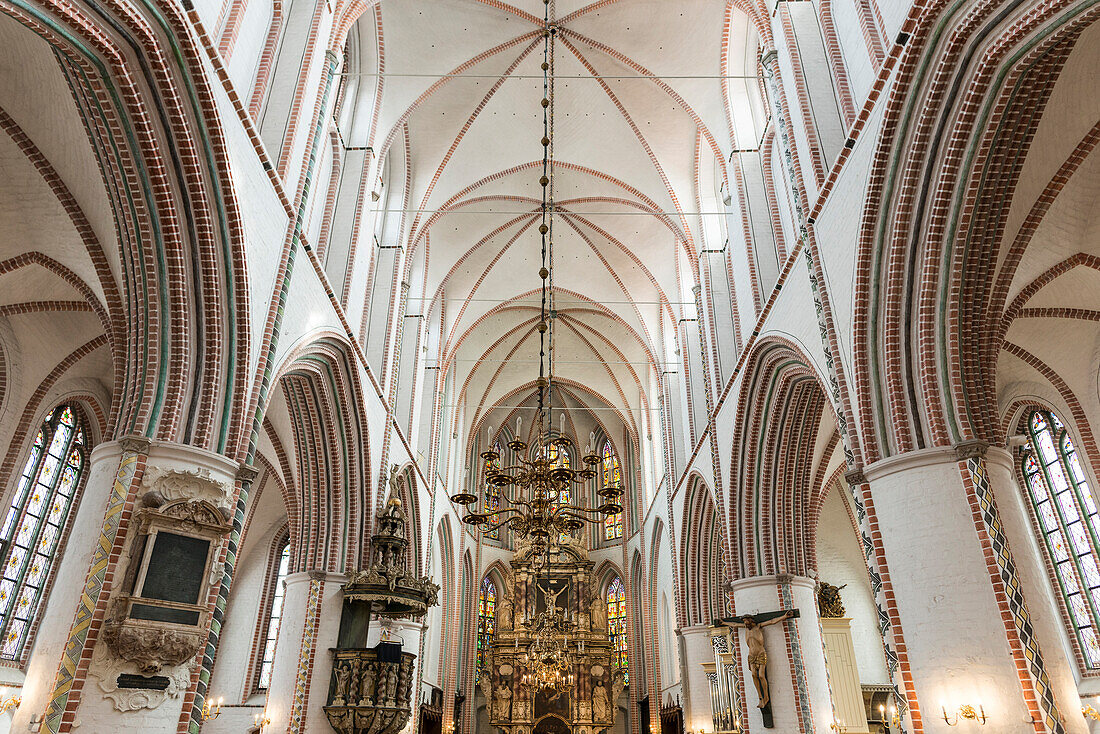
{"x": 757, "y": 662}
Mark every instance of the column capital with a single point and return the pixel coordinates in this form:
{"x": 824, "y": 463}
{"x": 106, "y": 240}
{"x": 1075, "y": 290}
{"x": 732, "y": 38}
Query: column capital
{"x": 771, "y": 580}
{"x": 247, "y": 473}
{"x": 135, "y": 444}
{"x": 971, "y": 449}
{"x": 908, "y": 461}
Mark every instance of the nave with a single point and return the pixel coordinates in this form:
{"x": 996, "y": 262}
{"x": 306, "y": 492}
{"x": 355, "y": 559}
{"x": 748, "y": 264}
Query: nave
{"x": 549, "y": 366}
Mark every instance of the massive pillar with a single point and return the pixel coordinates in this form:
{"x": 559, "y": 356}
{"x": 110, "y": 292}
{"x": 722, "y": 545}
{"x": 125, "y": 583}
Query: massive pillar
{"x": 797, "y": 679}
{"x": 303, "y": 661}
{"x": 944, "y": 517}
{"x": 130, "y": 608}
{"x": 696, "y": 651}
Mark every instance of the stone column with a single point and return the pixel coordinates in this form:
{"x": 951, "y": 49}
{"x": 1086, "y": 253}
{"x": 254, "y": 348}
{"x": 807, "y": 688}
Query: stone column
{"x": 969, "y": 633}
{"x": 696, "y": 649}
{"x": 797, "y": 677}
{"x": 303, "y": 664}
{"x": 82, "y": 690}
{"x": 408, "y": 632}
{"x": 72, "y": 568}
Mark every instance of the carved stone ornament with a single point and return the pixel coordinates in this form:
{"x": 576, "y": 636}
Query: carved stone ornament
{"x": 149, "y": 646}
{"x": 106, "y": 668}
{"x": 829, "y": 603}
{"x": 971, "y": 449}
{"x": 191, "y": 484}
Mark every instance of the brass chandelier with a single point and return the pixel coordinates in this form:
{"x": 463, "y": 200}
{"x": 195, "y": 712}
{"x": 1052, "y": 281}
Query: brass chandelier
{"x": 548, "y": 661}
{"x": 537, "y": 491}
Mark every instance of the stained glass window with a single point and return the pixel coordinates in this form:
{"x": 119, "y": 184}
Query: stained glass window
{"x": 35, "y": 524}
{"x": 486, "y": 621}
{"x": 616, "y": 623}
{"x": 1068, "y": 523}
{"x": 492, "y": 496}
{"x": 558, "y": 458}
{"x": 274, "y": 616}
{"x": 612, "y": 477}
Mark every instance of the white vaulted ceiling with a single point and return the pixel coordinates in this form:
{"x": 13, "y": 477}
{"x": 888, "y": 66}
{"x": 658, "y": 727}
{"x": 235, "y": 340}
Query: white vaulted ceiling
{"x": 643, "y": 125}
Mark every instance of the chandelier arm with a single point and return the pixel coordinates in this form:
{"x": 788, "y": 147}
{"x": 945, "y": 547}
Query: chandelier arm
{"x": 571, "y": 509}
{"x": 496, "y": 513}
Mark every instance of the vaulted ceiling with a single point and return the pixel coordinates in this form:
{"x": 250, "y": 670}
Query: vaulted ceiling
{"x": 647, "y": 97}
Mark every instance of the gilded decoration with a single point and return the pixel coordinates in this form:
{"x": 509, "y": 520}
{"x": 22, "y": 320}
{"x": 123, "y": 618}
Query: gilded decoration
{"x": 558, "y": 588}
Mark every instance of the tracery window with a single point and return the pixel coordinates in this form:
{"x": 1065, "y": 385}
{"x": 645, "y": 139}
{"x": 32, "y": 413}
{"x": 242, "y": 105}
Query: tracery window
{"x": 274, "y": 615}
{"x": 492, "y": 496}
{"x": 616, "y": 623}
{"x": 560, "y": 458}
{"x": 612, "y": 477}
{"x": 486, "y": 621}
{"x": 36, "y": 524}
{"x": 1068, "y": 523}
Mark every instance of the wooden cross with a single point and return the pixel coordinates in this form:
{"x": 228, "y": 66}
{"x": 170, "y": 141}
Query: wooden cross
{"x": 757, "y": 661}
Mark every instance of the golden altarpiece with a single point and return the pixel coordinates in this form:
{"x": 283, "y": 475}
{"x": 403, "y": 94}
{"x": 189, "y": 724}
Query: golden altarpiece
{"x": 538, "y": 583}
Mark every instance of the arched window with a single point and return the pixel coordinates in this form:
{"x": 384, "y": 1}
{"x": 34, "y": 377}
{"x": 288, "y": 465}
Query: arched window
{"x": 616, "y": 623}
{"x": 36, "y": 524}
{"x": 612, "y": 477}
{"x": 1067, "y": 521}
{"x": 492, "y": 495}
{"x": 486, "y": 621}
{"x": 560, "y": 458}
{"x": 277, "y": 573}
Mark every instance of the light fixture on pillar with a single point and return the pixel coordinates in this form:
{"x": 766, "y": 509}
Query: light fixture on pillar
{"x": 540, "y": 501}
{"x": 1090, "y": 713}
{"x": 259, "y": 721}
{"x": 211, "y": 709}
{"x": 965, "y": 712}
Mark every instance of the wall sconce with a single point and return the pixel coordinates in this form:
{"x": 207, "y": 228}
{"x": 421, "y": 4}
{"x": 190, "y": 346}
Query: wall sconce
{"x": 1090, "y": 713}
{"x": 838, "y": 726}
{"x": 967, "y": 712}
{"x": 259, "y": 721}
{"x": 449, "y": 727}
{"x": 894, "y": 720}
{"x": 211, "y": 711}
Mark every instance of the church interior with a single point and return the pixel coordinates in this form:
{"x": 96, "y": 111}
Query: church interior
{"x": 549, "y": 366}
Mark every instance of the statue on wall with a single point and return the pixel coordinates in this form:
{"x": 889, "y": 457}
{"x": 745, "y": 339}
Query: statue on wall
{"x": 601, "y": 705}
{"x": 829, "y": 603}
{"x": 597, "y": 610}
{"x": 758, "y": 655}
{"x": 343, "y": 676}
{"x": 395, "y": 485}
{"x": 502, "y": 703}
{"x": 485, "y": 682}
{"x": 551, "y": 599}
{"x": 506, "y": 610}
{"x": 618, "y": 683}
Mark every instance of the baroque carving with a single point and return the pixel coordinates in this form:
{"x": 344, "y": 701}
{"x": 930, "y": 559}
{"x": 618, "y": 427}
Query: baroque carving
{"x": 151, "y": 647}
{"x": 370, "y": 694}
{"x": 829, "y": 603}
{"x": 106, "y": 668}
{"x": 190, "y": 484}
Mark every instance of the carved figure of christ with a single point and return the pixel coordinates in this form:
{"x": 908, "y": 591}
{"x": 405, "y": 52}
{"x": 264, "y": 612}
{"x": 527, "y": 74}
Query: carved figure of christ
{"x": 758, "y": 655}
{"x": 550, "y": 598}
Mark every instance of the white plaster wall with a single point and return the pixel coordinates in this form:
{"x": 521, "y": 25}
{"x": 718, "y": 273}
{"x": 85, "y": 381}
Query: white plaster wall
{"x": 244, "y": 64}
{"x": 942, "y": 589}
{"x": 853, "y": 50}
{"x": 60, "y": 608}
{"x": 840, "y": 562}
